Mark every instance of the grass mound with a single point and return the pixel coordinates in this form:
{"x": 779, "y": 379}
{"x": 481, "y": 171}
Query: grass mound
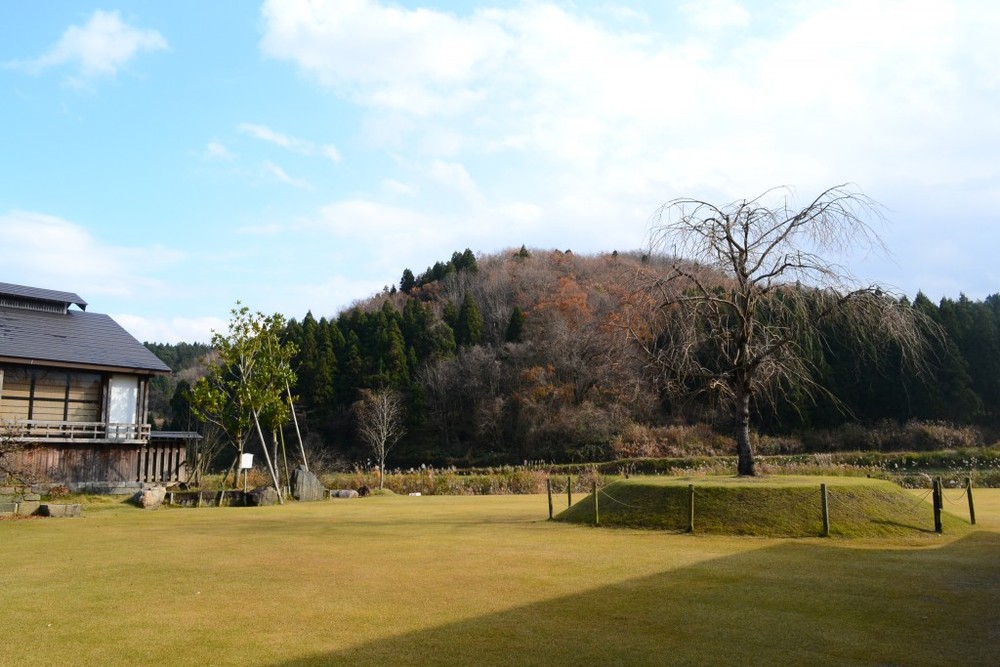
{"x": 765, "y": 507}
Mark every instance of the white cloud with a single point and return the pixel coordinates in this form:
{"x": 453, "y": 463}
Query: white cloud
{"x": 288, "y": 142}
{"x": 170, "y": 329}
{"x": 217, "y": 151}
{"x": 574, "y": 126}
{"x": 370, "y": 49}
{"x": 553, "y": 82}
{"x": 713, "y": 15}
{"x": 46, "y": 251}
{"x": 330, "y": 151}
{"x": 454, "y": 176}
{"x": 280, "y": 175}
{"x": 394, "y": 187}
{"x": 100, "y": 48}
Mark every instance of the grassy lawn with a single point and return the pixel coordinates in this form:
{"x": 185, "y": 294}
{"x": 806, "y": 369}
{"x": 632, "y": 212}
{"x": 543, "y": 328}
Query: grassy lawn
{"x": 482, "y": 580}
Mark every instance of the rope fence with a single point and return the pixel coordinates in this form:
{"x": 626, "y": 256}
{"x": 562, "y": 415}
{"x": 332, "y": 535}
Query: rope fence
{"x": 826, "y": 500}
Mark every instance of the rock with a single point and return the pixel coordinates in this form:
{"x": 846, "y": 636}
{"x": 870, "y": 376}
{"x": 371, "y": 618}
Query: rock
{"x": 263, "y": 495}
{"x": 66, "y": 510}
{"x": 306, "y": 486}
{"x": 151, "y": 498}
{"x": 31, "y": 497}
{"x": 28, "y": 507}
{"x": 8, "y": 509}
{"x": 344, "y": 493}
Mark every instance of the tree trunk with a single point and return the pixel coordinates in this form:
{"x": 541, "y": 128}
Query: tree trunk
{"x": 744, "y": 450}
{"x": 267, "y": 455}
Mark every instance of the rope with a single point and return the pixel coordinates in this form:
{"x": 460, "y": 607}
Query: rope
{"x": 945, "y": 496}
{"x": 920, "y": 500}
{"x": 604, "y": 493}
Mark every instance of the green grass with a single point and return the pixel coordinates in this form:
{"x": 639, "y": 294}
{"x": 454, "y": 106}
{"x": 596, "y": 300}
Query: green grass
{"x": 785, "y": 506}
{"x": 481, "y": 580}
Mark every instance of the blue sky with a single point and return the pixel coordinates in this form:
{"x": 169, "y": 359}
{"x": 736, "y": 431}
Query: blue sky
{"x": 164, "y": 159}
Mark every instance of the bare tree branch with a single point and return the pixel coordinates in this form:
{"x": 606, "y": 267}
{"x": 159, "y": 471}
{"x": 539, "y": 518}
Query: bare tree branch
{"x": 752, "y": 291}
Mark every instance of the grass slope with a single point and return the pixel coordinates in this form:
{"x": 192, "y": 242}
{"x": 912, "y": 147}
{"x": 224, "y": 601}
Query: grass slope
{"x": 484, "y": 581}
{"x": 783, "y": 506}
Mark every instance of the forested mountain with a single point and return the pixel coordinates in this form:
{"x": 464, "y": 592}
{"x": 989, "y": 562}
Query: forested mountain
{"x": 521, "y": 356}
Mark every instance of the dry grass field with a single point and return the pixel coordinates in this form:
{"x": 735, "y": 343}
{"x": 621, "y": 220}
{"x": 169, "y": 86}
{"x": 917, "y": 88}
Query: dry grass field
{"x": 481, "y": 580}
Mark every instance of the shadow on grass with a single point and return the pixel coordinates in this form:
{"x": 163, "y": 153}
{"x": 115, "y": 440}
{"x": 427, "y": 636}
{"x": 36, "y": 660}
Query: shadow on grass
{"x": 792, "y": 603}
{"x": 899, "y": 524}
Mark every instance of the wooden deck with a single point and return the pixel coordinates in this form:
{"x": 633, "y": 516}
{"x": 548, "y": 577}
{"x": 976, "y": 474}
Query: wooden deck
{"x": 39, "y": 431}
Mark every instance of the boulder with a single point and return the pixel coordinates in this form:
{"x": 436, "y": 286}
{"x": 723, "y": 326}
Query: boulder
{"x": 151, "y": 497}
{"x": 28, "y": 507}
{"x": 306, "y": 486}
{"x": 344, "y": 493}
{"x": 262, "y": 495}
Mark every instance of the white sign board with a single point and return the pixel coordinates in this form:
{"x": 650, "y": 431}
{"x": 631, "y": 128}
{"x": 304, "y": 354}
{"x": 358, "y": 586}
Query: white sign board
{"x": 246, "y": 462}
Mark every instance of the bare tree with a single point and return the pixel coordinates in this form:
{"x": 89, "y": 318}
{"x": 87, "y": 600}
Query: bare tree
{"x": 12, "y": 468}
{"x": 749, "y": 293}
{"x": 380, "y": 424}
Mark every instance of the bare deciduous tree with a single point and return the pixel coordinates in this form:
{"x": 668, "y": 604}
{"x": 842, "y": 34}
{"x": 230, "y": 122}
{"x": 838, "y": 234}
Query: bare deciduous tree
{"x": 751, "y": 292}
{"x": 380, "y": 424}
{"x": 11, "y": 446}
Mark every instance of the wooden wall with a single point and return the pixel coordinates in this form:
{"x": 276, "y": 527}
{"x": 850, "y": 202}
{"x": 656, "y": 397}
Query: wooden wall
{"x": 104, "y": 463}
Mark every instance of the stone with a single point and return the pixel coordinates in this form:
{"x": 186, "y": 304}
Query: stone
{"x": 28, "y": 507}
{"x": 306, "y": 486}
{"x": 31, "y": 497}
{"x": 263, "y": 495}
{"x": 61, "y": 510}
{"x": 8, "y": 509}
{"x": 344, "y": 493}
{"x": 151, "y": 498}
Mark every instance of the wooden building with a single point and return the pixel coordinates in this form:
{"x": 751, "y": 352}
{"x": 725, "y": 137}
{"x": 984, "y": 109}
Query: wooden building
{"x": 73, "y": 390}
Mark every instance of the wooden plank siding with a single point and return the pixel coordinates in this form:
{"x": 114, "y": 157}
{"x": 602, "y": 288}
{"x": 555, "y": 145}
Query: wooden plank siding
{"x": 85, "y": 463}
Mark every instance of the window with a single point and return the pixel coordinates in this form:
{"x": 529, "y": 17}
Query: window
{"x": 50, "y": 395}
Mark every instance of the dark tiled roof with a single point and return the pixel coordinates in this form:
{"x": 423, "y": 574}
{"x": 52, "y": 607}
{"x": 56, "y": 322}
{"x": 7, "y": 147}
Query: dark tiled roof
{"x": 38, "y": 294}
{"x": 88, "y": 339}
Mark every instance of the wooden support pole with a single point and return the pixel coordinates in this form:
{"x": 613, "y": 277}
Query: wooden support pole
{"x": 569, "y": 491}
{"x": 826, "y": 510}
{"x": 690, "y": 508}
{"x": 597, "y": 513}
{"x": 936, "y": 493}
{"x": 972, "y": 506}
{"x": 548, "y": 484}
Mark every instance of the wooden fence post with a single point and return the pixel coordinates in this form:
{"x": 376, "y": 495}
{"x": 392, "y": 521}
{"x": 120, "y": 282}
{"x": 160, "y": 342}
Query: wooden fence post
{"x": 936, "y": 492}
{"x": 972, "y": 506}
{"x": 597, "y": 513}
{"x": 826, "y": 510}
{"x": 690, "y": 508}
{"x": 569, "y": 491}
{"x": 548, "y": 484}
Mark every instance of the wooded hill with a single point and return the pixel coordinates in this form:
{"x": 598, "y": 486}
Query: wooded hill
{"x": 522, "y": 356}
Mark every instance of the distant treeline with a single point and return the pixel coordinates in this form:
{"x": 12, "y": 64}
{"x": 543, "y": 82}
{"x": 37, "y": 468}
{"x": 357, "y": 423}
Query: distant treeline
{"x": 520, "y": 356}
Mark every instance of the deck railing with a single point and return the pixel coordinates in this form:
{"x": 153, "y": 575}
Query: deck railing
{"x": 35, "y": 431}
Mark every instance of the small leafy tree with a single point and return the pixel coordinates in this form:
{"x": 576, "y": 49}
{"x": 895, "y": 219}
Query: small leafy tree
{"x": 246, "y": 386}
{"x": 751, "y": 294}
{"x": 380, "y": 424}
